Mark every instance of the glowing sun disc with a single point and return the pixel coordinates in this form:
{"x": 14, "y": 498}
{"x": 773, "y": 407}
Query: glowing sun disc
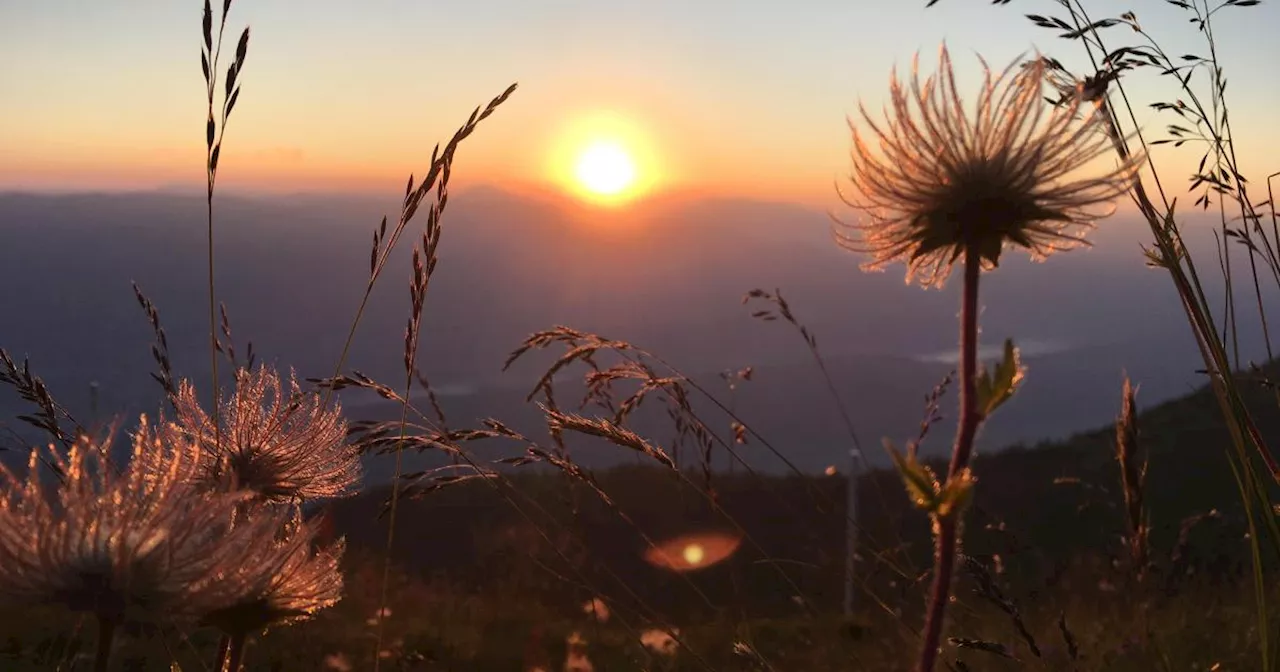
{"x": 605, "y": 168}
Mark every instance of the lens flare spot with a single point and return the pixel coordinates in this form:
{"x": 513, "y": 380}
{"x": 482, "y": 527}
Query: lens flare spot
{"x": 691, "y": 552}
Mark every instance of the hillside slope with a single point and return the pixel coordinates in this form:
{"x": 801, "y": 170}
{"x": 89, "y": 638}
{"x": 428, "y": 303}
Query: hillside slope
{"x": 476, "y": 532}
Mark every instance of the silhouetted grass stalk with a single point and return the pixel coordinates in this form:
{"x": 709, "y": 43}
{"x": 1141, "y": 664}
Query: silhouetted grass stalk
{"x": 1246, "y": 440}
{"x": 214, "y": 134}
{"x": 384, "y": 244}
{"x": 209, "y": 59}
{"x": 1132, "y": 459}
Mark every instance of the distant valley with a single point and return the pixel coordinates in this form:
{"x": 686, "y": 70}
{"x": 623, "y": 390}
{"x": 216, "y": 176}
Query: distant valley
{"x": 668, "y": 276}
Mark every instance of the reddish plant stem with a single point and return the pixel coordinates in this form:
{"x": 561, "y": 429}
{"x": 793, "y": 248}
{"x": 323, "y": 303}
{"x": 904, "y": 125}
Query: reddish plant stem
{"x": 106, "y": 636}
{"x": 224, "y": 643}
{"x": 235, "y": 652}
{"x": 946, "y": 528}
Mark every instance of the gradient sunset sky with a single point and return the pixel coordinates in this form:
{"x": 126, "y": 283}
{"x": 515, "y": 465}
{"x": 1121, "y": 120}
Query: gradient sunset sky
{"x": 738, "y": 97}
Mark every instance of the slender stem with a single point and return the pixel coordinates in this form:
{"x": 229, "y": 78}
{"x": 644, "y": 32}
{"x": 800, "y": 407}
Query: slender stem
{"x": 970, "y": 416}
{"x": 946, "y": 527}
{"x": 106, "y": 636}
{"x": 944, "y": 565}
{"x": 351, "y": 337}
{"x": 213, "y": 327}
{"x": 235, "y": 652}
{"x": 211, "y": 177}
{"x": 224, "y": 643}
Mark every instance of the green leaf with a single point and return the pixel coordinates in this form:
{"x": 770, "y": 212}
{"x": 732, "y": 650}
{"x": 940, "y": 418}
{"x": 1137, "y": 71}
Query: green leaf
{"x": 995, "y": 388}
{"x": 922, "y": 486}
{"x": 956, "y": 494}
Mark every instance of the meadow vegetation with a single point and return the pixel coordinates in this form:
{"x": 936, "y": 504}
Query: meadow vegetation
{"x": 238, "y": 533}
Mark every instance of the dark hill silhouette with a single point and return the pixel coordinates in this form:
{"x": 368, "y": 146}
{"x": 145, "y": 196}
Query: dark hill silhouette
{"x": 474, "y": 531}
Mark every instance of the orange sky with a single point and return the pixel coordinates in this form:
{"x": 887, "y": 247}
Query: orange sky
{"x": 745, "y": 98}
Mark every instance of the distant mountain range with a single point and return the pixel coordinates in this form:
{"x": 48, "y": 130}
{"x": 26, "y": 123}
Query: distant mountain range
{"x": 668, "y": 275}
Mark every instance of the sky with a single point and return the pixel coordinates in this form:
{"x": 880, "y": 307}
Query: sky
{"x": 733, "y": 97}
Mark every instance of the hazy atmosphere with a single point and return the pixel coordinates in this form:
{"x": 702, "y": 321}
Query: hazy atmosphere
{"x": 705, "y": 335}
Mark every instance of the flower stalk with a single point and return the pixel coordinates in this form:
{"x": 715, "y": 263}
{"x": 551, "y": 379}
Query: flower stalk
{"x": 946, "y": 526}
{"x": 946, "y": 186}
{"x": 235, "y": 652}
{"x": 106, "y": 637}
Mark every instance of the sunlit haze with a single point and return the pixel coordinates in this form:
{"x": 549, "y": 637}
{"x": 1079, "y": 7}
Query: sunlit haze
{"x": 728, "y": 98}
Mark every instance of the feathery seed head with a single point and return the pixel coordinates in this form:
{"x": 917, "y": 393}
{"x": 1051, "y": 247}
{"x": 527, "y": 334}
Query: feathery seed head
{"x": 285, "y": 446}
{"x": 286, "y": 580}
{"x": 945, "y": 182}
{"x": 133, "y": 545}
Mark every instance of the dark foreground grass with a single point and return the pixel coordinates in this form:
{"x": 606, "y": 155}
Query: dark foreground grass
{"x": 438, "y": 624}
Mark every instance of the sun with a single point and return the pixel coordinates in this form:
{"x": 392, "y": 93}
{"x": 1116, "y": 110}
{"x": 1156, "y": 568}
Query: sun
{"x": 605, "y": 168}
{"x": 605, "y": 158}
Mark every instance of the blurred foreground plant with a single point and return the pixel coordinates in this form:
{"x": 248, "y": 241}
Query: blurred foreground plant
{"x": 137, "y": 546}
{"x": 1217, "y": 181}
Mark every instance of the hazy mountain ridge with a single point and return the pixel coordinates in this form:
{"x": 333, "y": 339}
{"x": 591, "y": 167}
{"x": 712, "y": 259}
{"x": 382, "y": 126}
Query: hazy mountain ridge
{"x": 668, "y": 275}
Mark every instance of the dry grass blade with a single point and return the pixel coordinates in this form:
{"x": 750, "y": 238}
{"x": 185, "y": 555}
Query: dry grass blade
{"x": 385, "y": 242}
{"x": 687, "y": 421}
{"x": 359, "y": 381}
{"x": 555, "y": 429}
{"x": 215, "y": 133}
{"x": 582, "y": 345}
{"x": 599, "y": 384}
{"x": 159, "y": 349}
{"x": 575, "y": 353}
{"x": 50, "y": 413}
{"x": 230, "y": 348}
{"x": 421, "y": 483}
{"x": 784, "y": 310}
{"x": 995, "y": 648}
{"x": 386, "y": 439}
{"x": 1133, "y": 477}
{"x": 932, "y": 405}
{"x": 1073, "y": 648}
{"x": 680, "y": 409}
{"x": 542, "y": 339}
{"x": 424, "y": 264}
{"x": 991, "y": 592}
{"x": 572, "y": 470}
{"x": 440, "y": 418}
{"x": 606, "y": 429}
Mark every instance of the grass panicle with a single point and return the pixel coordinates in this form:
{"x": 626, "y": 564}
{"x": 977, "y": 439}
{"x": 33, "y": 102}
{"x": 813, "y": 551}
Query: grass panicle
{"x": 1132, "y": 459}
